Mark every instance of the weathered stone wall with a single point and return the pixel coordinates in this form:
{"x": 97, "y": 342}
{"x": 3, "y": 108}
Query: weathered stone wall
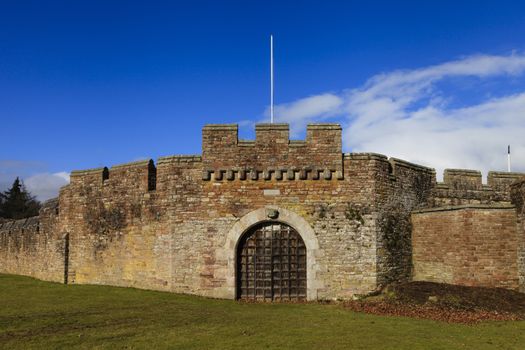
{"x": 518, "y": 199}
{"x": 462, "y": 186}
{"x": 400, "y": 188}
{"x": 271, "y": 153}
{"x": 173, "y": 237}
{"x": 338, "y": 210}
{"x": 474, "y": 245}
{"x": 118, "y": 226}
{"x": 175, "y": 226}
{"x": 33, "y": 246}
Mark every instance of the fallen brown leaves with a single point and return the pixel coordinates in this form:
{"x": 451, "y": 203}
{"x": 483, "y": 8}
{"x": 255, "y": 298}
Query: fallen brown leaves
{"x": 445, "y": 302}
{"x": 431, "y": 312}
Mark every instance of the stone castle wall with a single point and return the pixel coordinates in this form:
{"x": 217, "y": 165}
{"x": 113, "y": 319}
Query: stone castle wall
{"x": 173, "y": 237}
{"x": 33, "y": 247}
{"x": 461, "y": 186}
{"x": 471, "y": 233}
{"x": 174, "y": 226}
{"x": 473, "y": 245}
{"x": 118, "y": 221}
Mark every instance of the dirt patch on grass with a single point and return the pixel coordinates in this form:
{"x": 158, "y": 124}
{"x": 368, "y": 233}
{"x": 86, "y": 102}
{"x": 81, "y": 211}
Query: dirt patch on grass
{"x": 444, "y": 302}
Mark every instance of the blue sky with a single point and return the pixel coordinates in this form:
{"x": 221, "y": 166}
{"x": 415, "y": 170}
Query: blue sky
{"x": 91, "y": 83}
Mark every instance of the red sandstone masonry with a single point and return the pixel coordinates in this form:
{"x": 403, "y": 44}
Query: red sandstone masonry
{"x": 463, "y": 186}
{"x": 400, "y": 188}
{"x": 467, "y": 245}
{"x": 272, "y": 152}
{"x": 165, "y": 227}
{"x": 173, "y": 233}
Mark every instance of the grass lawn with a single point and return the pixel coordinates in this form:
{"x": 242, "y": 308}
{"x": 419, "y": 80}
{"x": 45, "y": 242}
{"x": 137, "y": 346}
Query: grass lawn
{"x": 36, "y": 314}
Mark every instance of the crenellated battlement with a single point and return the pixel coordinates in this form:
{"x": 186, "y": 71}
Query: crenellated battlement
{"x": 272, "y": 151}
{"x": 177, "y": 224}
{"x": 94, "y": 176}
{"x": 397, "y": 163}
{"x": 501, "y": 181}
{"x": 467, "y": 179}
{"x": 140, "y": 175}
{"x": 465, "y": 186}
{"x": 463, "y": 179}
{"x": 272, "y": 156}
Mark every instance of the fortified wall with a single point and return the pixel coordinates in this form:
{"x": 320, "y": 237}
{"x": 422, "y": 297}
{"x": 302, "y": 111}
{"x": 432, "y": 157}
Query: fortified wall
{"x": 264, "y": 219}
{"x": 34, "y": 247}
{"x": 473, "y": 233}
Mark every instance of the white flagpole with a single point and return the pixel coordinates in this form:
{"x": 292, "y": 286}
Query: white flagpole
{"x": 271, "y": 79}
{"x": 508, "y": 159}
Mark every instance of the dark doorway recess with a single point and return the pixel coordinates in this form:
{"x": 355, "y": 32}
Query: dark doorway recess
{"x": 66, "y": 258}
{"x": 271, "y": 264}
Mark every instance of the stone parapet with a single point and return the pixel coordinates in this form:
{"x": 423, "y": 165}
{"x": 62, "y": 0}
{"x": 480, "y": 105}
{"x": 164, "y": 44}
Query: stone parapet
{"x": 463, "y": 186}
{"x": 272, "y": 148}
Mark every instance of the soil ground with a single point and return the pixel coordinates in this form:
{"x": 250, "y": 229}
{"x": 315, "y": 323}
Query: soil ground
{"x": 444, "y": 302}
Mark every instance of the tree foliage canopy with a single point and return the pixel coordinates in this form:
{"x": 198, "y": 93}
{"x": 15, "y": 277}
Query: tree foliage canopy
{"x": 17, "y": 202}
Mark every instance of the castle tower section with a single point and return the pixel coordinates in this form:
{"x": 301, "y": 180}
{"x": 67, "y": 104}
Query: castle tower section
{"x": 272, "y": 154}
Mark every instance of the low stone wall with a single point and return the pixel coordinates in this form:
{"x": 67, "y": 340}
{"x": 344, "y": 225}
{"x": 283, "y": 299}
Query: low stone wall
{"x": 32, "y": 247}
{"x": 473, "y": 245}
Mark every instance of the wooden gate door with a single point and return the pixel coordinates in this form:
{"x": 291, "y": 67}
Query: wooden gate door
{"x": 271, "y": 264}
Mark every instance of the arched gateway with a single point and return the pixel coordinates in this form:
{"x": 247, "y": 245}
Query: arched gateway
{"x": 243, "y": 234}
{"x": 271, "y": 263}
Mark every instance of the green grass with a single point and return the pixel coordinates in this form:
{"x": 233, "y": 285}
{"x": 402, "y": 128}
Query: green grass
{"x": 36, "y": 314}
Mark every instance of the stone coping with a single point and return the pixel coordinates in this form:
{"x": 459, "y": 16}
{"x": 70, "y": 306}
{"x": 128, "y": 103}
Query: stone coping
{"x": 505, "y": 174}
{"x": 137, "y": 163}
{"x": 221, "y": 127}
{"x": 449, "y": 186}
{"x": 87, "y": 171}
{"x": 469, "y": 172}
{"x": 464, "y": 207}
{"x": 406, "y": 164}
{"x": 274, "y": 126}
{"x": 393, "y": 161}
{"x": 246, "y": 143}
{"x": 270, "y": 126}
{"x": 323, "y": 126}
{"x": 179, "y": 159}
{"x": 365, "y": 156}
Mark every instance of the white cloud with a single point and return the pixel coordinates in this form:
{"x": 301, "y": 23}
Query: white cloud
{"x": 404, "y": 114}
{"x": 46, "y": 185}
{"x": 305, "y": 110}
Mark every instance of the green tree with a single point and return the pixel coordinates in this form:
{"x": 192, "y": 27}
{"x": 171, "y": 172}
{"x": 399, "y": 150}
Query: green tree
{"x": 18, "y": 203}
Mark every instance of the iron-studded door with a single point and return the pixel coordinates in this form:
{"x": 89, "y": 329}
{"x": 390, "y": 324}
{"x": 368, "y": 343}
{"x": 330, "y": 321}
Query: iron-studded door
{"x": 271, "y": 264}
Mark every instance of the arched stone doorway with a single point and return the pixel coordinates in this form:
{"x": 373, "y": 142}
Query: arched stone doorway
{"x": 314, "y": 266}
{"x": 271, "y": 263}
